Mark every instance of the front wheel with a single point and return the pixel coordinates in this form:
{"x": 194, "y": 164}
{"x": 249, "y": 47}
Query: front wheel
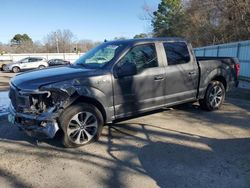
{"x": 41, "y": 67}
{"x": 15, "y": 69}
{"x": 81, "y": 124}
{"x": 214, "y": 96}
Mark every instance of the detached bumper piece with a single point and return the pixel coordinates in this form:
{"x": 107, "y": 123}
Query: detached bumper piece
{"x": 41, "y": 126}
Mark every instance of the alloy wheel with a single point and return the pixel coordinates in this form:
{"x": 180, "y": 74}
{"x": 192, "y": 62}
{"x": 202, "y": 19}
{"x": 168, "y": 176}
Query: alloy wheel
{"x": 215, "y": 96}
{"x": 82, "y": 127}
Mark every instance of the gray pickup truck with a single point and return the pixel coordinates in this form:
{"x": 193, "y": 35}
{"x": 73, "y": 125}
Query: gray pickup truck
{"x": 117, "y": 79}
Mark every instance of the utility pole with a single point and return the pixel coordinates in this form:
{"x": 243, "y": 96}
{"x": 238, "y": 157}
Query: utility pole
{"x": 57, "y": 46}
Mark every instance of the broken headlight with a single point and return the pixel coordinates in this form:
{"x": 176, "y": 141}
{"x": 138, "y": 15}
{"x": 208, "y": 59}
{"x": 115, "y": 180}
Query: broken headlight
{"x": 44, "y": 101}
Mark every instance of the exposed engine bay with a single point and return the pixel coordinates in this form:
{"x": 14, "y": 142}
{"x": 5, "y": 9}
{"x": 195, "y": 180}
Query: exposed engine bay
{"x": 38, "y": 110}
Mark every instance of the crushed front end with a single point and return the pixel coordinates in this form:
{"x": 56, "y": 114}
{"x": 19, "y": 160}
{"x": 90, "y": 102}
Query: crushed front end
{"x": 36, "y": 112}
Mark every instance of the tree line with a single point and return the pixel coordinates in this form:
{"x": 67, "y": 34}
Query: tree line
{"x": 202, "y": 22}
{"x": 59, "y": 41}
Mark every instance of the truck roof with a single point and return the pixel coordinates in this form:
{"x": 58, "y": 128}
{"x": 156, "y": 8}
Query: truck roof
{"x": 161, "y": 39}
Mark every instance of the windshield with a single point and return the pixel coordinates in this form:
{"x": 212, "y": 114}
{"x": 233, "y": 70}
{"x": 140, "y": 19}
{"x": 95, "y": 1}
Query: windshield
{"x": 99, "y": 56}
{"x": 23, "y": 60}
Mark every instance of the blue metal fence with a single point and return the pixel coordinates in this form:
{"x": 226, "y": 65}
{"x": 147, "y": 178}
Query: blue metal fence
{"x": 241, "y": 50}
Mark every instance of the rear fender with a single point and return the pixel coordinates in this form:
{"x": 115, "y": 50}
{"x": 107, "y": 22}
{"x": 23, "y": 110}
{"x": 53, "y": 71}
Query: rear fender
{"x": 207, "y": 78}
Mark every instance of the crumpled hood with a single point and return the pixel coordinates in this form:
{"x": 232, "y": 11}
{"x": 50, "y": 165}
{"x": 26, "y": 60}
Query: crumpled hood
{"x": 32, "y": 80}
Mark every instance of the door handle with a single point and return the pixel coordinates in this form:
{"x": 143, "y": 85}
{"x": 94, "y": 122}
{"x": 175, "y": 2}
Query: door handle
{"x": 192, "y": 73}
{"x": 159, "y": 77}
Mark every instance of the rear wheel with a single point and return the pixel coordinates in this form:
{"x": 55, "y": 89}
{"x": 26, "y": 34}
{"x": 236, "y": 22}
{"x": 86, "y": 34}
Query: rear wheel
{"x": 214, "y": 96}
{"x": 41, "y": 67}
{"x": 3, "y": 67}
{"x": 15, "y": 69}
{"x": 81, "y": 124}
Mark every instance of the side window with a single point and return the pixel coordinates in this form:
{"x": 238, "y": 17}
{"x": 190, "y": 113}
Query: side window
{"x": 177, "y": 53}
{"x": 60, "y": 62}
{"x": 143, "y": 56}
{"x": 26, "y": 60}
{"x": 33, "y": 59}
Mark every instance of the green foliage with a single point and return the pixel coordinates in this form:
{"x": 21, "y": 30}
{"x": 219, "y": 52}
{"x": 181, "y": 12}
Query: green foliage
{"x": 203, "y": 22}
{"x": 141, "y": 35}
{"x": 169, "y": 19}
{"x": 26, "y": 37}
{"x": 19, "y": 39}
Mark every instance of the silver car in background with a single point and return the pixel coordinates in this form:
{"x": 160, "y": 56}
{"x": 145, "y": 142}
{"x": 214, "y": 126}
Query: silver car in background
{"x": 26, "y": 64}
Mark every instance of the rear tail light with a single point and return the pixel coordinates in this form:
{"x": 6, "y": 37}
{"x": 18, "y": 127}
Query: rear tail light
{"x": 237, "y": 69}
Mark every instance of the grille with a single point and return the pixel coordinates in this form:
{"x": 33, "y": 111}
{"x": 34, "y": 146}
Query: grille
{"x": 13, "y": 98}
{"x": 18, "y": 101}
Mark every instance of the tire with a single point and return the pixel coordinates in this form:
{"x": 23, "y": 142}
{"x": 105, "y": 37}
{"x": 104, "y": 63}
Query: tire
{"x": 214, "y": 96}
{"x": 74, "y": 121}
{"x": 3, "y": 67}
{"x": 41, "y": 67}
{"x": 16, "y": 69}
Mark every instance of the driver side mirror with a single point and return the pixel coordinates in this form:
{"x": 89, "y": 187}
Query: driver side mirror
{"x": 126, "y": 69}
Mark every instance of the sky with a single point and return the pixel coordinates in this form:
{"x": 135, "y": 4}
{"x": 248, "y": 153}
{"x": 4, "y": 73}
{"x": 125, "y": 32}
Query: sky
{"x": 88, "y": 19}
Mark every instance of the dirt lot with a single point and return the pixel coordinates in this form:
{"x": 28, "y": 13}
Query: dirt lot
{"x": 4, "y": 80}
{"x": 180, "y": 147}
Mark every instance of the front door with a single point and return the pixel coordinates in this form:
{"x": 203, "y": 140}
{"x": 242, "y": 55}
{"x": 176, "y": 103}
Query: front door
{"x": 144, "y": 90}
{"x": 24, "y": 63}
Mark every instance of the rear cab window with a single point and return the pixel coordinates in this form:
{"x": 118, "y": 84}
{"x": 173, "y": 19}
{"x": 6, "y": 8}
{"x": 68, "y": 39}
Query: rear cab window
{"x": 177, "y": 53}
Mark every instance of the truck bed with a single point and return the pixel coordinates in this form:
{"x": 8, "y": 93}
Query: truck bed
{"x": 210, "y": 66}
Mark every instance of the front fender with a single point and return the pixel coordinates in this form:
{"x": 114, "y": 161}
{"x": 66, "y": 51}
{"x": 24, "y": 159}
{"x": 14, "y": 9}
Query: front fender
{"x": 74, "y": 91}
{"x": 15, "y": 65}
{"x": 93, "y": 93}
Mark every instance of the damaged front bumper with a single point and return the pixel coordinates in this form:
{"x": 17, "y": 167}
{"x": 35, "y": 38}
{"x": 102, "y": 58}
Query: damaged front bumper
{"x": 43, "y": 125}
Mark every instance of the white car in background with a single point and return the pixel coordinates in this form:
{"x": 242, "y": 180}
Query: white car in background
{"x": 26, "y": 64}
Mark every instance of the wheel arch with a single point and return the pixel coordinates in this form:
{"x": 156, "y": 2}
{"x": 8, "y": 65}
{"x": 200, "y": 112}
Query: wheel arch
{"x": 94, "y": 102}
{"x": 218, "y": 74}
{"x": 16, "y": 66}
{"x": 221, "y": 79}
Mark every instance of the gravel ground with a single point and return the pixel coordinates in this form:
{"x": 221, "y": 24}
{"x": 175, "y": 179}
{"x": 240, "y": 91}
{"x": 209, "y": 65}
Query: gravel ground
{"x": 4, "y": 80}
{"x": 179, "y": 147}
{"x": 244, "y": 84}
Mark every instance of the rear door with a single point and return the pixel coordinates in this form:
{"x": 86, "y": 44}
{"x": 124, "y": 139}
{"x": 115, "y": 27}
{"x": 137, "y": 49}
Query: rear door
{"x": 33, "y": 62}
{"x": 144, "y": 90}
{"x": 182, "y": 73}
